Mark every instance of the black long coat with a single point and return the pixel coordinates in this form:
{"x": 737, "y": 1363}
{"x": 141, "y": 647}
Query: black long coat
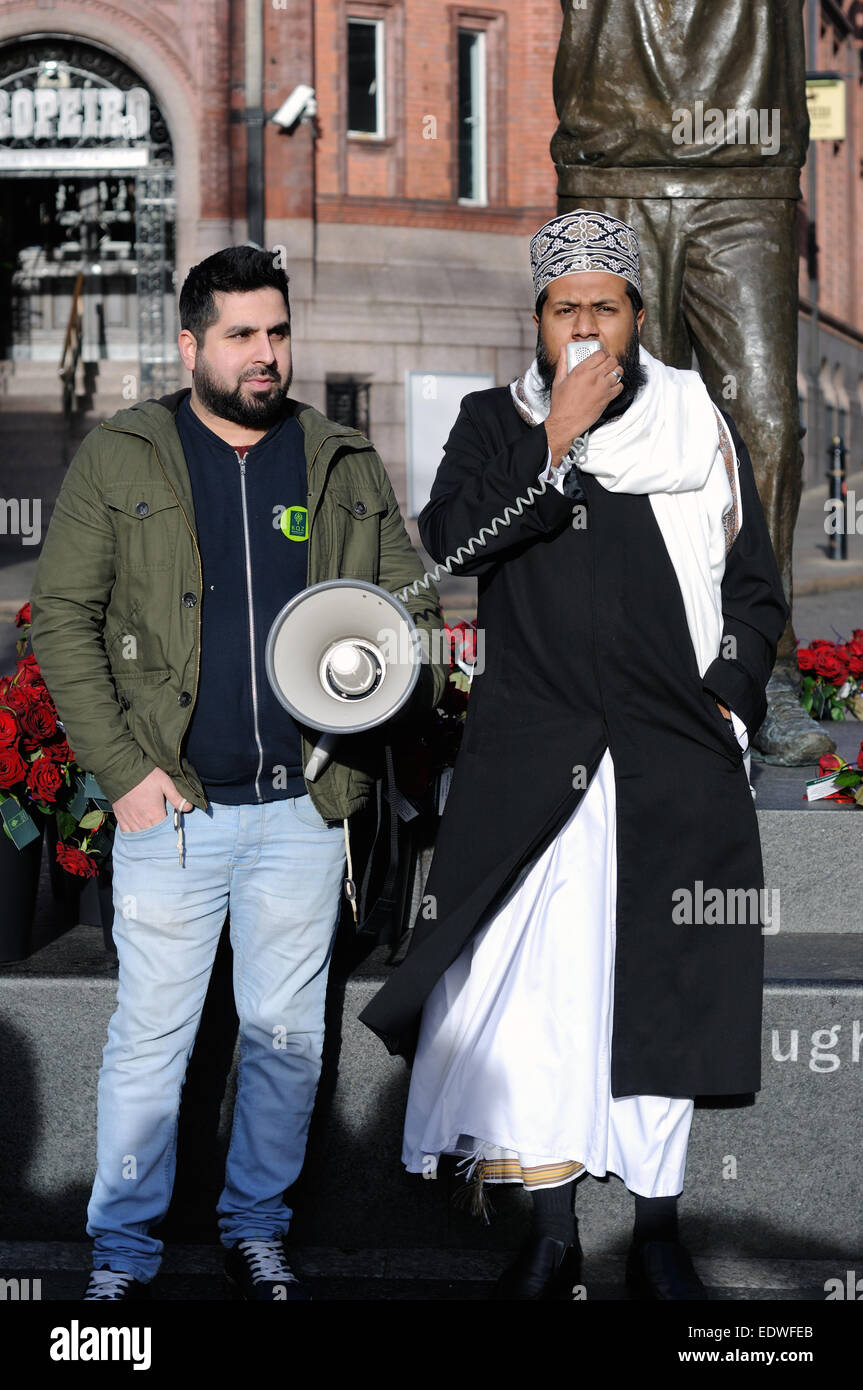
{"x": 587, "y": 648}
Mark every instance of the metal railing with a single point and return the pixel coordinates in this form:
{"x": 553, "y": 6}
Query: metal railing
{"x": 73, "y": 343}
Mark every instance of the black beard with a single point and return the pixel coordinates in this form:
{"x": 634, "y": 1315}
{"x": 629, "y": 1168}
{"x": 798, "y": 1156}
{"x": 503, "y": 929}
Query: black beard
{"x": 544, "y": 365}
{"x": 634, "y": 377}
{"x": 256, "y": 413}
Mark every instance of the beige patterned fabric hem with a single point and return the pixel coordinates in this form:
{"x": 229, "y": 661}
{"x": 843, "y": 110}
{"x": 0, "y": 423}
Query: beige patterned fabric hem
{"x": 497, "y": 1170}
{"x": 731, "y": 519}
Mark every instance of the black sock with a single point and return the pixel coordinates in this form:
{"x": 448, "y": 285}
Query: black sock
{"x": 553, "y": 1209}
{"x": 655, "y": 1219}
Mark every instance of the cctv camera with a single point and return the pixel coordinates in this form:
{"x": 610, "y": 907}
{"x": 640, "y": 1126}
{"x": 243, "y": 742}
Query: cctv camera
{"x": 300, "y": 103}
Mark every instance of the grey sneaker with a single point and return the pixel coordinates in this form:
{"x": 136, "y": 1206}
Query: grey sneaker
{"x": 114, "y": 1285}
{"x": 257, "y": 1269}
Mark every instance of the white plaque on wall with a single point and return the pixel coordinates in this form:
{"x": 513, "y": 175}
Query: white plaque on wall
{"x": 431, "y": 407}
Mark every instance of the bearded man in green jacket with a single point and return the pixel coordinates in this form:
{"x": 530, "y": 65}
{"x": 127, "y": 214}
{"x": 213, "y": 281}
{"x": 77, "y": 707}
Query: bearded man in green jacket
{"x": 182, "y": 528}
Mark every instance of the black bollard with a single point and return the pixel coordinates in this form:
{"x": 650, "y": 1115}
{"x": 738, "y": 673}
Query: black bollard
{"x": 837, "y": 539}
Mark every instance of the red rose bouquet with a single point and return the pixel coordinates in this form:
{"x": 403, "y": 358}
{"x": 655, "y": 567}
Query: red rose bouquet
{"x": 38, "y": 771}
{"x": 832, "y": 684}
{"x": 428, "y": 766}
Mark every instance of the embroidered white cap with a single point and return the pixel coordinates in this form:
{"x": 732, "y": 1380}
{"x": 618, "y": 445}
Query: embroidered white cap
{"x": 580, "y": 241}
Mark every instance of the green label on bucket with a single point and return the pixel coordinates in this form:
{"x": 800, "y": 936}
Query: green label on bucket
{"x": 94, "y": 792}
{"x": 77, "y": 804}
{"x": 16, "y": 820}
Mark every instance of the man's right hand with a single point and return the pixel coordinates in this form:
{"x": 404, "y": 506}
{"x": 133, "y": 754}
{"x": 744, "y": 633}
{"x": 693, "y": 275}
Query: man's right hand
{"x": 579, "y": 397}
{"x": 147, "y": 803}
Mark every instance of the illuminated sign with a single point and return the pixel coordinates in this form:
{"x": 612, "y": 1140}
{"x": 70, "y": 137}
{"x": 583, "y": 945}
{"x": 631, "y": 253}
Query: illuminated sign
{"x": 825, "y": 102}
{"x": 74, "y": 113}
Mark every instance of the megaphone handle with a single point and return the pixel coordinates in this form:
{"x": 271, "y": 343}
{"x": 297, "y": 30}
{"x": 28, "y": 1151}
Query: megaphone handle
{"x": 320, "y": 757}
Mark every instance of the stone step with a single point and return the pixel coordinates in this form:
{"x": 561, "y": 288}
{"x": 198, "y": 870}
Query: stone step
{"x": 784, "y": 788}
{"x": 33, "y": 371}
{"x": 195, "y": 1272}
{"x": 805, "y": 844}
{"x": 19, "y": 371}
{"x": 813, "y": 862}
{"x": 774, "y": 1180}
{"x": 36, "y": 386}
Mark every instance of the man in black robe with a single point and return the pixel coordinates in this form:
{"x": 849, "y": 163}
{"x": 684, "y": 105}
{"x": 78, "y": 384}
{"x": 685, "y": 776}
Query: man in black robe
{"x": 631, "y": 606}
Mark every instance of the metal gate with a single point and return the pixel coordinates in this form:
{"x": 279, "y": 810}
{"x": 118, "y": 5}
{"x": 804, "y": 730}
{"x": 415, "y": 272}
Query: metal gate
{"x": 155, "y": 215}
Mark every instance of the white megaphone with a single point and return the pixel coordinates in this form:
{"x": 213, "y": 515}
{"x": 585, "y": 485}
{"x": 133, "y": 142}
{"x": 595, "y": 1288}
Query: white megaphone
{"x": 342, "y": 657}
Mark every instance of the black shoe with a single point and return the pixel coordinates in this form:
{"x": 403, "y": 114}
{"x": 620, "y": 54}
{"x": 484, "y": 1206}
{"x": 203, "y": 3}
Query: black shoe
{"x": 662, "y": 1269}
{"x": 116, "y": 1286}
{"x": 257, "y": 1269}
{"x": 543, "y": 1269}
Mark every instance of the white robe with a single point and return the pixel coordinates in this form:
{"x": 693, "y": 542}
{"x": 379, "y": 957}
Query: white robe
{"x": 515, "y": 1043}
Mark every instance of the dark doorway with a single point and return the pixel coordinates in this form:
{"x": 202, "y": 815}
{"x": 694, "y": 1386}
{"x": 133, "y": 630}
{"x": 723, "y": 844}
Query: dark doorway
{"x": 52, "y": 228}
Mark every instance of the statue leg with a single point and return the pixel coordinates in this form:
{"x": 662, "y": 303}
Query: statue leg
{"x": 740, "y": 302}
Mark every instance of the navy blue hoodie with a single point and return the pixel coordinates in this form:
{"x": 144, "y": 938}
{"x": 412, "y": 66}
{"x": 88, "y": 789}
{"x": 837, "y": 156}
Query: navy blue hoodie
{"x": 241, "y": 741}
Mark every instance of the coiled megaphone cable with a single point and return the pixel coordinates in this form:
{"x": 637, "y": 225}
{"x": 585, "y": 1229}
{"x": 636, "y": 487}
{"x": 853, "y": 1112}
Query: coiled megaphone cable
{"x": 466, "y": 551}
{"x": 575, "y": 456}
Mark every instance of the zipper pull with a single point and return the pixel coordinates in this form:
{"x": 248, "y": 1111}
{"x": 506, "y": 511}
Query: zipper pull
{"x": 241, "y": 461}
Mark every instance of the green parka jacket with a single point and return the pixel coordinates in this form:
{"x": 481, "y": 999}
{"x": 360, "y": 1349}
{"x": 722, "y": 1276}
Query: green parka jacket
{"x": 121, "y": 560}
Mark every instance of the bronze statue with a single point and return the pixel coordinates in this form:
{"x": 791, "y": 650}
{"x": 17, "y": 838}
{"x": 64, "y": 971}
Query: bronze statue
{"x": 687, "y": 119}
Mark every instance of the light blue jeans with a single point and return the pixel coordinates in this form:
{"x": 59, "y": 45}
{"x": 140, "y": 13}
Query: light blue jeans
{"x": 279, "y": 868}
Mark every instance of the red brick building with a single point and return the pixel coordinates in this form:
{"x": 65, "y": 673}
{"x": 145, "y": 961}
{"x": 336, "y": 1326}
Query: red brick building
{"x": 402, "y": 191}
{"x": 830, "y": 376}
{"x": 410, "y": 167}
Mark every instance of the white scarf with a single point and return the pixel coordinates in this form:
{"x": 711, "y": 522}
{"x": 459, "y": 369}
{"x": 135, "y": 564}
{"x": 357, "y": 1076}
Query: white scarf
{"x": 673, "y": 445}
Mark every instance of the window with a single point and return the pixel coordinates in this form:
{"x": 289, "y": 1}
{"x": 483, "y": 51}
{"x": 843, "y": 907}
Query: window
{"x": 471, "y": 117}
{"x": 366, "y": 114}
{"x": 348, "y": 402}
